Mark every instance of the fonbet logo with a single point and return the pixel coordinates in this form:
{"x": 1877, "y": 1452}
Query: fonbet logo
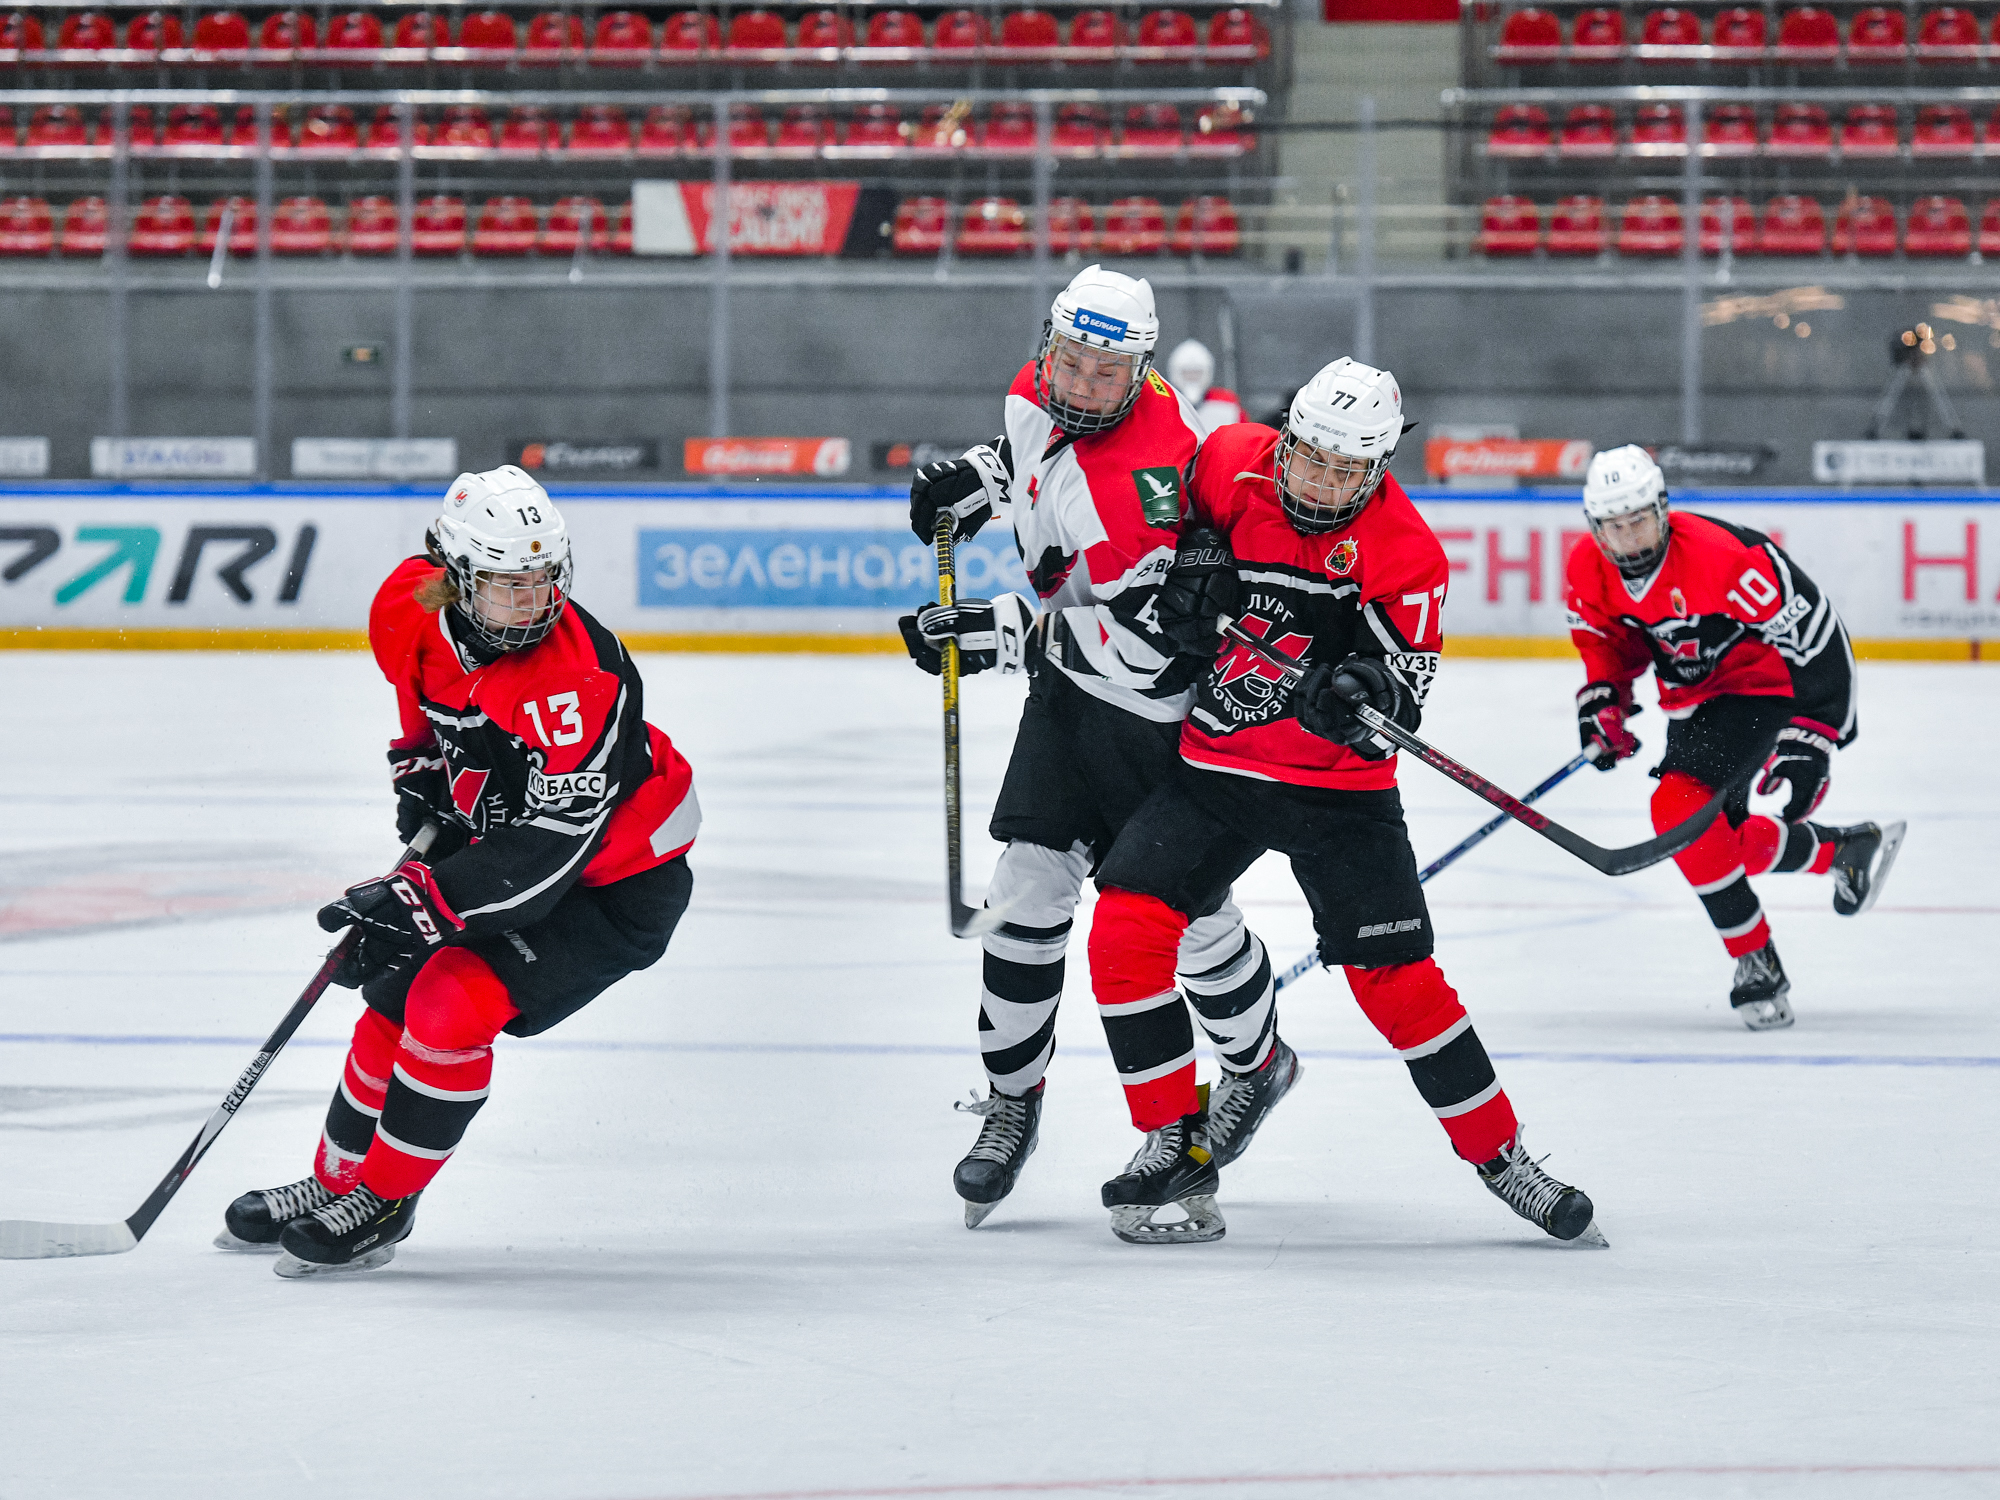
{"x": 561, "y": 788}
{"x": 1086, "y": 321}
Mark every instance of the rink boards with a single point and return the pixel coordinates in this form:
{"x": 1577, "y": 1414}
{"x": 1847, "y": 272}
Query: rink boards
{"x": 815, "y": 568}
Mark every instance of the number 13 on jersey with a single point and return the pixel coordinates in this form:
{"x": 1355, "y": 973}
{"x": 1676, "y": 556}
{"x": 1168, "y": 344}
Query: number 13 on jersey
{"x": 563, "y": 714}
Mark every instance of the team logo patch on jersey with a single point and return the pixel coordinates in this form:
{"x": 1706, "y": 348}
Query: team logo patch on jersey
{"x": 1159, "y": 494}
{"x": 1097, "y": 323}
{"x": 561, "y": 788}
{"x": 1679, "y": 601}
{"x": 465, "y": 789}
{"x": 1345, "y": 554}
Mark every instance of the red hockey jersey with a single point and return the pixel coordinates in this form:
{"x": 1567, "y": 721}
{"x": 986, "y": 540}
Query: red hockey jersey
{"x": 1377, "y": 586}
{"x": 554, "y": 771}
{"x": 1726, "y": 612}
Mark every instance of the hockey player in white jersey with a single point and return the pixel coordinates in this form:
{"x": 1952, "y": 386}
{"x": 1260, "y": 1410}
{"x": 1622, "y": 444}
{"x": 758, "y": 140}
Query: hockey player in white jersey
{"x": 1191, "y": 371}
{"x": 1089, "y": 474}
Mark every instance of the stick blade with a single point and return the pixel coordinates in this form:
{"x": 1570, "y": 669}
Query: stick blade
{"x": 31, "y": 1239}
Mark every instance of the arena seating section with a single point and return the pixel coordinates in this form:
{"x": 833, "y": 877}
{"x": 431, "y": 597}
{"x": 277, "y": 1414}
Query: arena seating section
{"x": 1138, "y": 179}
{"x": 1849, "y": 175}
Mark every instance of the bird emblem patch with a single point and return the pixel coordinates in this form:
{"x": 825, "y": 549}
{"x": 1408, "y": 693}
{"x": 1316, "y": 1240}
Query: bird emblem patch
{"x": 1345, "y": 554}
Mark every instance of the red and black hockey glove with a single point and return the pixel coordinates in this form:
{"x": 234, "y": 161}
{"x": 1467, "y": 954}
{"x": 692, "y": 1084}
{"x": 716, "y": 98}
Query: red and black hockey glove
{"x": 1201, "y": 584}
{"x": 1802, "y": 759}
{"x": 969, "y": 487}
{"x": 403, "y": 913}
{"x": 1601, "y": 711}
{"x": 423, "y": 787}
{"x": 1325, "y": 702}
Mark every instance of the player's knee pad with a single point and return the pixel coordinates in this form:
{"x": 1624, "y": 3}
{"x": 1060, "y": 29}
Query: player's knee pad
{"x": 1718, "y": 853}
{"x": 373, "y": 1051}
{"x": 1216, "y": 940}
{"x": 1134, "y": 942}
{"x": 457, "y": 1004}
{"x": 1410, "y": 1004}
{"x": 1036, "y": 886}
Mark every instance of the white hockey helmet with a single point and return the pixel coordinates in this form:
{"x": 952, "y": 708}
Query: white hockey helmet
{"x": 1625, "y": 482}
{"x": 505, "y": 549}
{"x": 1191, "y": 370}
{"x": 1339, "y": 435}
{"x": 1097, "y": 346}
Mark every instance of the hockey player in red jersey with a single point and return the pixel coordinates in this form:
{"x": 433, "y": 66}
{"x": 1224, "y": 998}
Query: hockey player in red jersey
{"x": 1317, "y": 550}
{"x": 1754, "y": 668}
{"x": 1088, "y": 474}
{"x": 560, "y": 865}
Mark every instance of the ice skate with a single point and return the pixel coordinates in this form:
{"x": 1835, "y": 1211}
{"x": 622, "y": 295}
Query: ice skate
{"x": 1007, "y": 1139}
{"x": 1556, "y": 1208}
{"x": 254, "y": 1221}
{"x": 1861, "y": 860}
{"x": 1169, "y": 1168}
{"x": 355, "y": 1232}
{"x": 1760, "y": 990}
{"x": 1240, "y": 1102}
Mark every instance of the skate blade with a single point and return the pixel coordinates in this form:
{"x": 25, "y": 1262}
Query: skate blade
{"x": 1766, "y": 1015}
{"x": 977, "y": 1213}
{"x": 1133, "y": 1223}
{"x": 228, "y": 1241}
{"x": 292, "y": 1268}
{"x": 1592, "y": 1238}
{"x": 1892, "y": 841}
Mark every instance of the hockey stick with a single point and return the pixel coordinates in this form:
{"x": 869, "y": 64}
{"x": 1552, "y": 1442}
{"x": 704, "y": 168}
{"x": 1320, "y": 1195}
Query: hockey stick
{"x": 1606, "y": 861}
{"x": 1478, "y": 835}
{"x": 30, "y": 1239}
{"x": 965, "y": 922}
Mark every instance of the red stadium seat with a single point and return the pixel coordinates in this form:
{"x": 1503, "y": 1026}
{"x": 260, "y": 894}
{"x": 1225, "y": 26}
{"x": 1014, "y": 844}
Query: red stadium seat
{"x": 1650, "y": 225}
{"x": 1591, "y": 130}
{"x": 994, "y": 226}
{"x": 749, "y": 131}
{"x": 1072, "y": 227}
{"x": 1577, "y": 226}
{"x": 1938, "y": 227}
{"x": 1808, "y": 35}
{"x": 58, "y": 125}
{"x": 1509, "y": 225}
{"x": 877, "y": 126}
{"x": 1029, "y": 29}
{"x": 242, "y": 130}
{"x": 371, "y": 226}
{"x": 1134, "y": 226}
{"x": 552, "y": 38}
{"x": 920, "y": 226}
{"x": 1095, "y": 31}
{"x": 1799, "y": 130}
{"x": 1172, "y": 30}
{"x": 1081, "y": 129}
{"x": 623, "y": 38}
{"x": 1659, "y": 130}
{"x": 287, "y": 31}
{"x": 301, "y": 226}
{"x": 21, "y": 32}
{"x": 242, "y": 226}
{"x": 1009, "y": 127}
{"x": 571, "y": 222}
{"x": 1219, "y": 130}
{"x": 1989, "y": 228}
{"x": 466, "y": 127}
{"x": 1530, "y": 36}
{"x": 1597, "y": 35}
{"x": 27, "y": 227}
{"x": 329, "y": 128}
{"x": 222, "y": 35}
{"x": 1729, "y": 130}
{"x": 1877, "y": 35}
{"x": 821, "y": 29}
{"x": 422, "y": 30}
{"x": 437, "y": 225}
{"x": 667, "y": 130}
{"x": 489, "y": 35}
{"x": 1742, "y": 226}
{"x": 942, "y": 128}
{"x": 507, "y": 226}
{"x": 194, "y": 125}
{"x": 138, "y": 124}
{"x": 354, "y": 35}
{"x": 526, "y": 131}
{"x": 86, "y": 31}
{"x": 1670, "y": 35}
{"x": 1871, "y": 130}
{"x": 86, "y": 227}
{"x": 1792, "y": 225}
{"x": 686, "y": 31}
{"x": 155, "y": 31}
{"x": 385, "y": 131}
{"x": 802, "y": 130}
{"x": 1948, "y": 35}
{"x": 621, "y": 229}
{"x": 1237, "y": 27}
{"x": 1865, "y": 226}
{"x": 958, "y": 31}
{"x": 1942, "y": 130}
{"x": 1152, "y": 130}
{"x": 600, "y": 130}
{"x": 896, "y": 28}
{"x": 162, "y": 226}
{"x": 757, "y": 31}
{"x": 1739, "y": 35}
{"x": 1206, "y": 225}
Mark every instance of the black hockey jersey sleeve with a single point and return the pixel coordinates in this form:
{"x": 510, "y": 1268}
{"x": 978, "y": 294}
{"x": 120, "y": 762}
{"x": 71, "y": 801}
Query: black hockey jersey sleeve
{"x": 1802, "y": 626}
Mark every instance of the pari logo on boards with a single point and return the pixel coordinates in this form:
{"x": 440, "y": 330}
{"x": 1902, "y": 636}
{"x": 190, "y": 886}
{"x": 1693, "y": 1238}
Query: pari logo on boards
{"x": 119, "y": 561}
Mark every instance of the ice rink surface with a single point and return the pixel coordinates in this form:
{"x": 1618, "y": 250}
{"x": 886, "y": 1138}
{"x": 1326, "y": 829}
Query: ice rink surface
{"x": 703, "y": 1241}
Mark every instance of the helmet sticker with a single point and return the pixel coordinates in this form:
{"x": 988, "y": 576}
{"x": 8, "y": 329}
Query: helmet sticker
{"x": 1344, "y": 555}
{"x": 1105, "y": 328}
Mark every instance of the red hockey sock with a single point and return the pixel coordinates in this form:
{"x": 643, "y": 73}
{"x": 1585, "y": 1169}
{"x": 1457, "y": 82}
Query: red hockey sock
{"x": 1822, "y": 859}
{"x": 1762, "y": 840}
{"x": 1419, "y": 1014}
{"x": 1134, "y": 942}
{"x": 357, "y": 1103}
{"x": 1714, "y": 864}
{"x": 441, "y": 1072}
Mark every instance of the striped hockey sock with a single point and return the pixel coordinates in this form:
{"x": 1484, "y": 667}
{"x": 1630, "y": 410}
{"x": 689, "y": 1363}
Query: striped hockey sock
{"x": 1419, "y": 1014}
{"x": 357, "y": 1103}
{"x": 1023, "y": 963}
{"x": 1773, "y": 847}
{"x": 1714, "y": 864}
{"x": 1227, "y": 976}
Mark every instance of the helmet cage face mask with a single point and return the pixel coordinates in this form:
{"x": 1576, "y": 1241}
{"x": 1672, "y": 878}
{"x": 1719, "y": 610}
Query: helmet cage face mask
{"x": 1074, "y": 419}
{"x": 1638, "y": 562}
{"x": 512, "y": 611}
{"x": 1321, "y": 489}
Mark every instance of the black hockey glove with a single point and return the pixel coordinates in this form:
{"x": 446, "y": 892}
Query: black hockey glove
{"x": 969, "y": 487}
{"x": 368, "y": 959}
{"x": 999, "y": 633}
{"x": 403, "y": 912}
{"x": 1601, "y": 711}
{"x": 423, "y": 788}
{"x": 1325, "y": 703}
{"x": 1803, "y": 759}
{"x": 1201, "y": 584}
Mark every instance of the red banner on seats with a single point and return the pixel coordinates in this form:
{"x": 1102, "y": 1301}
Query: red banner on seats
{"x": 775, "y": 218}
